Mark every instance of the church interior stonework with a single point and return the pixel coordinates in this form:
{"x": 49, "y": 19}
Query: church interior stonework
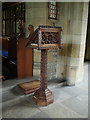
{"x": 68, "y": 62}
{"x": 45, "y": 59}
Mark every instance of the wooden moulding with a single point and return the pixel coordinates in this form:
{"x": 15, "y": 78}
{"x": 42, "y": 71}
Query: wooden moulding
{"x": 30, "y": 87}
{"x": 44, "y": 46}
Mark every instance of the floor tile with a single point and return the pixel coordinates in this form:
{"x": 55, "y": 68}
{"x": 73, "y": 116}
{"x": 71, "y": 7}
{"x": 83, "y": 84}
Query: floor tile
{"x": 41, "y": 115}
{"x": 83, "y": 85}
{"x": 72, "y": 90}
{"x": 77, "y": 106}
{"x": 60, "y": 95}
{"x": 83, "y": 97}
{"x": 21, "y": 110}
{"x": 58, "y": 110}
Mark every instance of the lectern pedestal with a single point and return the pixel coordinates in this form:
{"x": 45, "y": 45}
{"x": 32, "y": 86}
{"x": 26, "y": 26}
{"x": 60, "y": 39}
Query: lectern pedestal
{"x": 43, "y": 96}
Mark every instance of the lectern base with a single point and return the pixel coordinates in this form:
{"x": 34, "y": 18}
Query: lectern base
{"x": 43, "y": 97}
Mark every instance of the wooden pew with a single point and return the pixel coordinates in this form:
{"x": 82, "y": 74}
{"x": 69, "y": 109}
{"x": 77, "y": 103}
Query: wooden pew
{"x": 24, "y": 54}
{"x": 12, "y": 48}
{"x": 5, "y": 40}
{"x": 24, "y": 59}
{"x": 17, "y": 51}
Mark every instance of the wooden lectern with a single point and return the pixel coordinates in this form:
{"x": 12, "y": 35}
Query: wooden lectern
{"x": 44, "y": 38}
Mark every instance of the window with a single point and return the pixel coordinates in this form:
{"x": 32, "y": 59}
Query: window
{"x": 52, "y": 10}
{"x": 12, "y": 14}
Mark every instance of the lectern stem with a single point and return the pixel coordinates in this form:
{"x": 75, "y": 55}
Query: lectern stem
{"x": 44, "y": 68}
{"x": 43, "y": 96}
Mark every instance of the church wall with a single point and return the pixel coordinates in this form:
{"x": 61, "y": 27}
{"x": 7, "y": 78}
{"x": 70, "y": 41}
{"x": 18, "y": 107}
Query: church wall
{"x": 37, "y": 14}
{"x": 87, "y": 55}
{"x": 73, "y": 18}
{"x": 66, "y": 63}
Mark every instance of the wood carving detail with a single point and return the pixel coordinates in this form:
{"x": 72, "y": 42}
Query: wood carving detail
{"x": 49, "y": 38}
{"x": 44, "y": 38}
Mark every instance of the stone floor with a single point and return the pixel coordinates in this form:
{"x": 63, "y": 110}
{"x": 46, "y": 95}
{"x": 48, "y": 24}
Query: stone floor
{"x": 69, "y": 101}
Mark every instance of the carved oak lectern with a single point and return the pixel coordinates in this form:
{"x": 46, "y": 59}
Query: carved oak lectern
{"x": 44, "y": 38}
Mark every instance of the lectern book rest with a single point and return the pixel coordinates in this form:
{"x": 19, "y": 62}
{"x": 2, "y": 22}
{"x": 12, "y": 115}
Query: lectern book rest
{"x": 46, "y": 37}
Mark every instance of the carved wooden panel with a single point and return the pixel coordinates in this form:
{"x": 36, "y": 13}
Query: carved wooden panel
{"x": 46, "y": 37}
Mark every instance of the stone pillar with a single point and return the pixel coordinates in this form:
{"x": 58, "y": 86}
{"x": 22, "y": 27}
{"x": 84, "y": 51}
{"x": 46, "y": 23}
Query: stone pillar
{"x": 73, "y": 18}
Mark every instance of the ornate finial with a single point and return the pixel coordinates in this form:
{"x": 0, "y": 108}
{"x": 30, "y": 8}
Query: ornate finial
{"x": 21, "y": 28}
{"x": 31, "y": 29}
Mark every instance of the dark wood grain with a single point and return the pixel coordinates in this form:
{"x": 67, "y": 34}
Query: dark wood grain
{"x": 24, "y": 59}
{"x": 29, "y": 87}
{"x": 44, "y": 38}
{"x": 43, "y": 96}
